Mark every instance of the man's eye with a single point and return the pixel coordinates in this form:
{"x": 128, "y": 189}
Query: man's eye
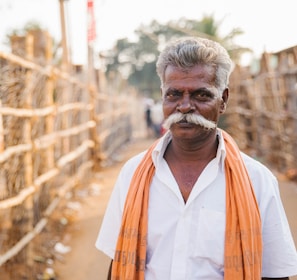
{"x": 203, "y": 95}
{"x": 173, "y": 94}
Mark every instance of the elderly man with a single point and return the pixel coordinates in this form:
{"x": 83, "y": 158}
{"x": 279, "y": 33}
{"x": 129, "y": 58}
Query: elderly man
{"x": 193, "y": 206}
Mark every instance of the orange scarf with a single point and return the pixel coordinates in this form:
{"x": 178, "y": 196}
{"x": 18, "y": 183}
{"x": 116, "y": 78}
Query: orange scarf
{"x": 243, "y": 240}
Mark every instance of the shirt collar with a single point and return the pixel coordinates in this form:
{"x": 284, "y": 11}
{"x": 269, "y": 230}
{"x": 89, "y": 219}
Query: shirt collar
{"x": 158, "y": 152}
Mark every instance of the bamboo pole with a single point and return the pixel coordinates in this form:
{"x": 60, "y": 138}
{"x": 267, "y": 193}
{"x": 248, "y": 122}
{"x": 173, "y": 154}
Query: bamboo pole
{"x": 49, "y": 119}
{"x": 65, "y": 55}
{"x": 3, "y": 187}
{"x": 28, "y": 164}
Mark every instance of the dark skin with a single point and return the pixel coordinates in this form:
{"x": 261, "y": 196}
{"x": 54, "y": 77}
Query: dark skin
{"x": 192, "y": 146}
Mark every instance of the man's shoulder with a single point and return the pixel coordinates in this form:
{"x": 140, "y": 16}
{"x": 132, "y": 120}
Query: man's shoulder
{"x": 258, "y": 170}
{"x": 133, "y": 162}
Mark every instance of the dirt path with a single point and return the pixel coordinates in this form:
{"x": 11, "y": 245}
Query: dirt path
{"x": 84, "y": 262}
{"x": 288, "y": 190}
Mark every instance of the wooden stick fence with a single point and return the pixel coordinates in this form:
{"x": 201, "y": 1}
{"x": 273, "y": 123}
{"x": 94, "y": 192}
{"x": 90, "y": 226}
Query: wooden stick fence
{"x": 262, "y": 112}
{"x": 54, "y": 130}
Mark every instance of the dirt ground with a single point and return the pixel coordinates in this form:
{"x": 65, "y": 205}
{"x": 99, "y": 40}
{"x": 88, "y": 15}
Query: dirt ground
{"x": 84, "y": 261}
{"x": 75, "y": 226}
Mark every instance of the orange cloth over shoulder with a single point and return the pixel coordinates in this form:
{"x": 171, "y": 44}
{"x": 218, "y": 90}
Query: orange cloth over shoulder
{"x": 243, "y": 238}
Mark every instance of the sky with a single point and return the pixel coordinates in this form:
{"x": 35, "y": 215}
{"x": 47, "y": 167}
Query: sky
{"x": 267, "y": 25}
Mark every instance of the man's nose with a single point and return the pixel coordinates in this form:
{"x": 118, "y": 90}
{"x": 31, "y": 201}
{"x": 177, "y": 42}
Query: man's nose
{"x": 185, "y": 105}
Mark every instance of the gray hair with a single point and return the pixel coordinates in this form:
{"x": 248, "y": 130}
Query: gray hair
{"x": 187, "y": 52}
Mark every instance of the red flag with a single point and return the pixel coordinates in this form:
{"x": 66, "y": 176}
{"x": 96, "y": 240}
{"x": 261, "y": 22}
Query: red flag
{"x": 91, "y": 22}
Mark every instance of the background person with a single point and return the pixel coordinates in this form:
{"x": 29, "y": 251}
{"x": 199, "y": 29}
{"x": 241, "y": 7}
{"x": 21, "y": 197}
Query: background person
{"x": 157, "y": 118}
{"x": 148, "y": 117}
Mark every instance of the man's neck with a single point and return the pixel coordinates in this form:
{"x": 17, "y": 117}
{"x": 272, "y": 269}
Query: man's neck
{"x": 184, "y": 150}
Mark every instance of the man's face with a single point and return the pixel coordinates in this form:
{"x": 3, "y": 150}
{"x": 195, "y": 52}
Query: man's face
{"x": 192, "y": 91}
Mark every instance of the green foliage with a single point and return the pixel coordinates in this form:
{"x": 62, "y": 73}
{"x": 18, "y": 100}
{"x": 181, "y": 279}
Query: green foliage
{"x": 145, "y": 79}
{"x": 31, "y": 25}
{"x": 28, "y": 27}
{"x": 136, "y": 60}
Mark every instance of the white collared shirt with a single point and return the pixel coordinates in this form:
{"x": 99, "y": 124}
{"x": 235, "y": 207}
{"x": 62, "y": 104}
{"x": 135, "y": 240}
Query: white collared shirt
{"x": 186, "y": 240}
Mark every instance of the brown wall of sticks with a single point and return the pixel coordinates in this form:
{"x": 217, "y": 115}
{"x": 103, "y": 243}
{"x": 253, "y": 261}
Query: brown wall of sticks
{"x": 262, "y": 112}
{"x": 55, "y": 130}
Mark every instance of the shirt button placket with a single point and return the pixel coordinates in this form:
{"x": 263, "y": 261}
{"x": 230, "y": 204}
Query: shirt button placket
{"x": 179, "y": 258}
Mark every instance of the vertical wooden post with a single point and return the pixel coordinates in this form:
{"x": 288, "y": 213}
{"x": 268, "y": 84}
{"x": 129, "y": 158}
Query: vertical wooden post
{"x": 65, "y": 94}
{"x": 49, "y": 96}
{"x": 3, "y": 187}
{"x": 93, "y": 84}
{"x": 49, "y": 101}
{"x": 65, "y": 55}
{"x": 28, "y": 167}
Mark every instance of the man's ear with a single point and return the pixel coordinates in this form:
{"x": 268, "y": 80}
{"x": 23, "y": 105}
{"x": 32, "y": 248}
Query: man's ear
{"x": 224, "y": 100}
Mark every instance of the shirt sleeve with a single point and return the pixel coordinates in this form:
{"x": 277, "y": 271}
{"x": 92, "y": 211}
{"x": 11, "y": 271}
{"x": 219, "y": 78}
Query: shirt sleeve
{"x": 110, "y": 227}
{"x": 279, "y": 251}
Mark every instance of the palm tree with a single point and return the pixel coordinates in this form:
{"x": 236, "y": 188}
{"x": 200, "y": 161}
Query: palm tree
{"x": 136, "y": 60}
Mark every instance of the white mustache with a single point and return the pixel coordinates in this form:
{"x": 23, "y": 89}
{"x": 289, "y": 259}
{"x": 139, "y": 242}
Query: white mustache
{"x": 190, "y": 118}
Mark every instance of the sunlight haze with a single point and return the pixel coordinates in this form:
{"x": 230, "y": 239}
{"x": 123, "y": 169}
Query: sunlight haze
{"x": 267, "y": 25}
